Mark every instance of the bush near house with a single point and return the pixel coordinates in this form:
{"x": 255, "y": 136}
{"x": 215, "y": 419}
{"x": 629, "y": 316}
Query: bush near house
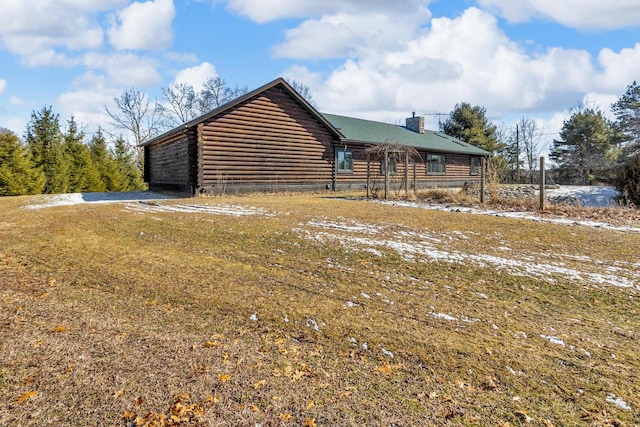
{"x": 628, "y": 181}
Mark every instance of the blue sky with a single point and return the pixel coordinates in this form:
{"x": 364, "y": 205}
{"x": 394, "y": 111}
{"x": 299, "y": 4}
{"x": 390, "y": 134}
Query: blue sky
{"x": 374, "y": 59}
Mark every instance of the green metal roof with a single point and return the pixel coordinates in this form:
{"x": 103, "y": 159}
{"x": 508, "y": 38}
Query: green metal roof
{"x": 370, "y": 132}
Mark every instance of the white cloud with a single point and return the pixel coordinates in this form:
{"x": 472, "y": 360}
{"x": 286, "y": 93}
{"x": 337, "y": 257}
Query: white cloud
{"x": 125, "y": 69}
{"x": 619, "y": 69}
{"x": 347, "y": 35}
{"x": 144, "y": 26}
{"x": 87, "y": 105}
{"x": 16, "y": 101}
{"x": 196, "y": 76}
{"x": 3, "y": 85}
{"x": 269, "y": 10}
{"x": 583, "y": 14}
{"x": 463, "y": 59}
{"x": 32, "y": 29}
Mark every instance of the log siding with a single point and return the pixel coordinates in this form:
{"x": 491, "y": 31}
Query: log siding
{"x": 267, "y": 142}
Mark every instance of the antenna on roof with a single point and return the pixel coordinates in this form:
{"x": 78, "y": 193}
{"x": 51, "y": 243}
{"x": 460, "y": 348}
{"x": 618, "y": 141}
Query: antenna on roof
{"x": 436, "y": 114}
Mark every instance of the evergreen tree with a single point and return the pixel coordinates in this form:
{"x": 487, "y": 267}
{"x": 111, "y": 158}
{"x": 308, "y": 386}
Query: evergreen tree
{"x": 105, "y": 163}
{"x": 45, "y": 142}
{"x": 588, "y": 147}
{"x": 127, "y": 166}
{"x": 83, "y": 174}
{"x": 17, "y": 173}
{"x": 627, "y": 112}
{"x": 471, "y": 125}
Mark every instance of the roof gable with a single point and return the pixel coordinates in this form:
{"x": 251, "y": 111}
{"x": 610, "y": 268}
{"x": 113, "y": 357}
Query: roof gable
{"x": 240, "y": 100}
{"x": 371, "y": 132}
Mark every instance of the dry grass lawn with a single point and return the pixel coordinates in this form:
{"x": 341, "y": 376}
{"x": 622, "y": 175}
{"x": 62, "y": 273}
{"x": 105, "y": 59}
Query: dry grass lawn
{"x": 312, "y": 311}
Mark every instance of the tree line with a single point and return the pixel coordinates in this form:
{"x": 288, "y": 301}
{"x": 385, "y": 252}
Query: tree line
{"x": 54, "y": 159}
{"x": 591, "y": 149}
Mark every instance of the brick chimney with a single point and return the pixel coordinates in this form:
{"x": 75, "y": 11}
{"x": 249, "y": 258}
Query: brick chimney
{"x": 415, "y": 124}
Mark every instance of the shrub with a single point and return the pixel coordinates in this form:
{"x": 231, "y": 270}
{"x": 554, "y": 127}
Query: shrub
{"x": 628, "y": 181}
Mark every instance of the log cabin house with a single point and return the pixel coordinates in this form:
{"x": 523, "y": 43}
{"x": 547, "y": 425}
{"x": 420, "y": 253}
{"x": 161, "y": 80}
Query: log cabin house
{"x": 272, "y": 139}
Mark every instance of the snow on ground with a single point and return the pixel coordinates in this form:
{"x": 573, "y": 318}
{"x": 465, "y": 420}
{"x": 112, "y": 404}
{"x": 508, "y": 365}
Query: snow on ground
{"x": 217, "y": 209}
{"x": 588, "y": 196}
{"x": 415, "y": 246}
{"x": 50, "y": 201}
{"x": 596, "y": 196}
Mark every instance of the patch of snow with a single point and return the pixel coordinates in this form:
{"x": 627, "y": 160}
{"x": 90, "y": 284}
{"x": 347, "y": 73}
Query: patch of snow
{"x": 553, "y": 340}
{"x": 410, "y": 251}
{"x": 591, "y": 196}
{"x": 388, "y": 353}
{"x": 365, "y": 295}
{"x": 520, "y": 334}
{"x": 351, "y": 304}
{"x": 352, "y": 340}
{"x": 219, "y": 209}
{"x": 253, "y": 317}
{"x": 530, "y": 216}
{"x": 445, "y": 317}
{"x": 311, "y": 323}
{"x": 618, "y": 401}
{"x": 49, "y": 201}
{"x": 513, "y": 372}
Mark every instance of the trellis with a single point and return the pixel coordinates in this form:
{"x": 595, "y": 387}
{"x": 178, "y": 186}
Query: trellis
{"x": 383, "y": 153}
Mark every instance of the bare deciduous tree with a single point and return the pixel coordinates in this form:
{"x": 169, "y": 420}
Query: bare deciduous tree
{"x": 135, "y": 113}
{"x": 180, "y": 106}
{"x": 216, "y": 92}
{"x": 304, "y": 91}
{"x": 530, "y": 143}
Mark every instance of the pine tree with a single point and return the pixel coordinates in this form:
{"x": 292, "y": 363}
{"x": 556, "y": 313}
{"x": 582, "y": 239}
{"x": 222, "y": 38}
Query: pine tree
{"x": 470, "y": 124}
{"x": 83, "y": 174}
{"x": 587, "y": 149}
{"x": 17, "y": 173}
{"x": 105, "y": 163}
{"x": 128, "y": 167}
{"x": 627, "y": 112}
{"x": 45, "y": 142}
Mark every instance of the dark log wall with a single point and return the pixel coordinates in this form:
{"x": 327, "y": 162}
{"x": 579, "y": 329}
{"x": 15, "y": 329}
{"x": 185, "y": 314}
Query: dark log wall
{"x": 171, "y": 165}
{"x": 458, "y": 171}
{"x": 265, "y": 143}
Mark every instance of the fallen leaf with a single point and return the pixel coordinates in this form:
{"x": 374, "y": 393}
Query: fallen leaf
{"x": 309, "y": 422}
{"x": 212, "y": 400}
{"x": 385, "y": 369}
{"x": 209, "y": 344}
{"x": 259, "y": 384}
{"x": 224, "y": 378}
{"x": 138, "y": 401}
{"x": 285, "y": 416}
{"x": 129, "y": 414}
{"x": 27, "y": 395}
{"x": 344, "y": 394}
{"x": 310, "y": 404}
{"x": 255, "y": 408}
{"x": 297, "y": 375}
{"x": 59, "y": 328}
{"x": 118, "y": 393}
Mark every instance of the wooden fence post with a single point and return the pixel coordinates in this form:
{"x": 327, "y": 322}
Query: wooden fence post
{"x": 406, "y": 173}
{"x": 542, "y": 183}
{"x": 483, "y": 175}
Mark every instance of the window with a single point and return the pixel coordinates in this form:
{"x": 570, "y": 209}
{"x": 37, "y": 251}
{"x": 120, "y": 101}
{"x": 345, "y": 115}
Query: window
{"x": 475, "y": 165}
{"x": 345, "y": 161}
{"x": 393, "y": 165}
{"x": 436, "y": 164}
